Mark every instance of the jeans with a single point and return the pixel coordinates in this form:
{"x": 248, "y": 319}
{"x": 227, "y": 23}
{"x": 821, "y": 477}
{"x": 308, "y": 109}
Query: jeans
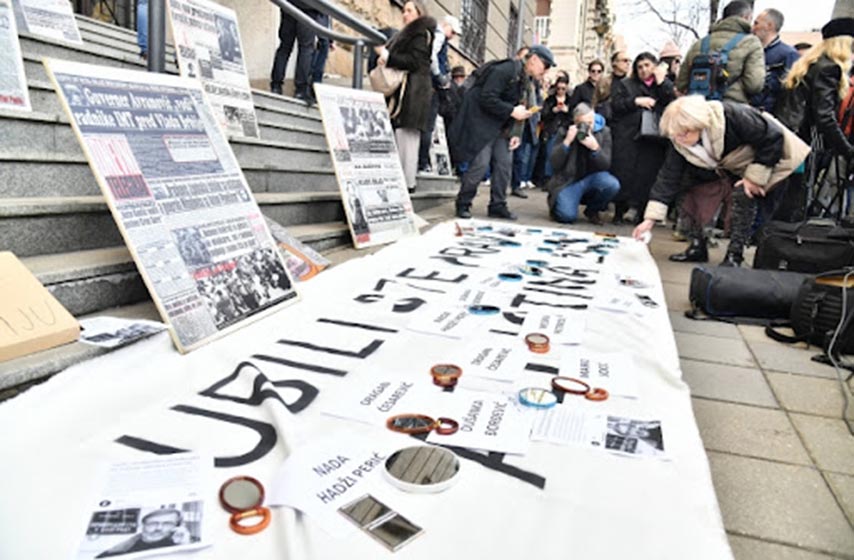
{"x": 321, "y": 52}
{"x": 595, "y": 191}
{"x": 496, "y": 157}
{"x": 523, "y": 160}
{"x": 289, "y": 31}
{"x": 142, "y": 27}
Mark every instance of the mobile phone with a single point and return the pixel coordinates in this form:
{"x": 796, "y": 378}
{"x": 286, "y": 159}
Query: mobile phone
{"x": 534, "y": 109}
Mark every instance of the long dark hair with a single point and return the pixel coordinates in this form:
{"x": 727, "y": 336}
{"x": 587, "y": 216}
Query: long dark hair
{"x": 646, "y": 55}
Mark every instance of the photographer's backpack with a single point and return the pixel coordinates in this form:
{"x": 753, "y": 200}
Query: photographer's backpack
{"x": 709, "y": 76}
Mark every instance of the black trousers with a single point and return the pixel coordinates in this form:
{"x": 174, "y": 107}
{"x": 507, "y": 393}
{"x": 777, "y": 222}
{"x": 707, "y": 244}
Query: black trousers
{"x": 289, "y": 31}
{"x": 427, "y": 133}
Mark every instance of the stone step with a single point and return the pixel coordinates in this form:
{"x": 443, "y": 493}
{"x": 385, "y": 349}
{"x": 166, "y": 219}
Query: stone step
{"x": 88, "y": 281}
{"x": 96, "y": 26}
{"x": 119, "y": 44}
{"x": 44, "y": 226}
{"x": 50, "y": 133}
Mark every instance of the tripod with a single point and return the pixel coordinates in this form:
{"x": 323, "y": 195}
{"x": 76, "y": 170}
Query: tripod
{"x": 826, "y": 198}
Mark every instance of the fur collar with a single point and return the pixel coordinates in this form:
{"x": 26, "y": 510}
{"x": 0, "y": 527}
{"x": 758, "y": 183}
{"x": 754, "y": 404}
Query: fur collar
{"x": 415, "y": 28}
{"x": 716, "y": 133}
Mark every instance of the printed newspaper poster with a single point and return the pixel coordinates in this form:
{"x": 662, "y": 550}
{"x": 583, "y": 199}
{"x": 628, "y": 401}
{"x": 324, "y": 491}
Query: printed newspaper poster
{"x": 49, "y": 18}
{"x": 364, "y": 153}
{"x": 178, "y": 196}
{"x": 207, "y": 41}
{"x": 440, "y": 156}
{"x": 13, "y": 82}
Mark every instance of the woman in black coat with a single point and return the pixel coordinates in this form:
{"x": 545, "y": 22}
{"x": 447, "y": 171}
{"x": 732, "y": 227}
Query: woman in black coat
{"x": 556, "y": 116}
{"x": 409, "y": 106}
{"x": 637, "y": 160}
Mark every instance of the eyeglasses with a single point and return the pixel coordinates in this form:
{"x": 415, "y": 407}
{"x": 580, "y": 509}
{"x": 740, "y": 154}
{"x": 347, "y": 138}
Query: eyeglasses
{"x": 595, "y": 71}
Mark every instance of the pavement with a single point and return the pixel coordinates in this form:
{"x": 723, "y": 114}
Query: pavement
{"x": 781, "y": 457}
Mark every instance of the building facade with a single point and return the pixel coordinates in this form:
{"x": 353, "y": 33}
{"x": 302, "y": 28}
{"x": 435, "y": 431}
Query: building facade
{"x": 577, "y": 32}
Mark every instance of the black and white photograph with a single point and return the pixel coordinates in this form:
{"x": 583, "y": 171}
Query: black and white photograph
{"x": 113, "y": 332}
{"x": 192, "y": 247}
{"x": 229, "y": 40}
{"x": 368, "y": 130}
{"x": 634, "y": 437}
{"x": 143, "y": 529}
{"x": 241, "y": 287}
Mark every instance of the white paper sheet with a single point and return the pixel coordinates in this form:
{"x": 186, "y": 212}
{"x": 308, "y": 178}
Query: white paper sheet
{"x": 609, "y": 370}
{"x": 150, "y": 507}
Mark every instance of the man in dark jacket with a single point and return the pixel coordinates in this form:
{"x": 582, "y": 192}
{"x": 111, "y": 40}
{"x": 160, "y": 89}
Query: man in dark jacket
{"x": 482, "y": 132}
{"x": 779, "y": 57}
{"x": 581, "y": 164}
{"x": 746, "y": 65}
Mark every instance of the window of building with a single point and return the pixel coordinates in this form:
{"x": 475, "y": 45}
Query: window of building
{"x": 473, "y": 20}
{"x": 512, "y": 31}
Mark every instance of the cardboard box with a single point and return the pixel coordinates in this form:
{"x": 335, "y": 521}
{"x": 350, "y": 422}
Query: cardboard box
{"x": 31, "y": 319}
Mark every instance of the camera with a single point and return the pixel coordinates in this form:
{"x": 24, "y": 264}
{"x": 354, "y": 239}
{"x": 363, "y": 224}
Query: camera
{"x": 583, "y": 131}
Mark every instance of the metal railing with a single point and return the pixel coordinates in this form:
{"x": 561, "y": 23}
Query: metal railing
{"x": 367, "y": 34}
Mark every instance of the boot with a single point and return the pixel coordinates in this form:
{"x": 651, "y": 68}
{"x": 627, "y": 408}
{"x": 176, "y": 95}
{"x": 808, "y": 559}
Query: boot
{"x": 697, "y": 251}
{"x": 732, "y": 260}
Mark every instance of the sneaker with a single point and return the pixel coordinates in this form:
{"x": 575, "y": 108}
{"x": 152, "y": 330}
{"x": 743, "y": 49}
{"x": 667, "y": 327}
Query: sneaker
{"x": 530, "y": 185}
{"x": 425, "y": 169}
{"x": 501, "y": 212}
{"x": 519, "y": 192}
{"x": 464, "y": 213}
{"x": 274, "y": 88}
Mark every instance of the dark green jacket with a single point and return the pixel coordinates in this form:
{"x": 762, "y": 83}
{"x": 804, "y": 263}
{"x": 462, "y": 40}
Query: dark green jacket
{"x": 746, "y": 60}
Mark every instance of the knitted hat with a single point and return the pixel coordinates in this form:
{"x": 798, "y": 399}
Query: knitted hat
{"x": 670, "y": 49}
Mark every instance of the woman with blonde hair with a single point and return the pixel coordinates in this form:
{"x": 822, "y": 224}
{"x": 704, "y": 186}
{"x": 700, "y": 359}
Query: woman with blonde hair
{"x": 808, "y": 104}
{"x": 750, "y": 150}
{"x": 821, "y": 78}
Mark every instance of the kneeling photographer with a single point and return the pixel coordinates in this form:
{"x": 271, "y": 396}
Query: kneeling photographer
{"x": 581, "y": 163}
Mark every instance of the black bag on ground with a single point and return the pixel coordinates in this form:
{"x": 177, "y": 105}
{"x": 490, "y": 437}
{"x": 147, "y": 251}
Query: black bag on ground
{"x": 743, "y": 295}
{"x": 814, "y": 246}
{"x": 817, "y": 310}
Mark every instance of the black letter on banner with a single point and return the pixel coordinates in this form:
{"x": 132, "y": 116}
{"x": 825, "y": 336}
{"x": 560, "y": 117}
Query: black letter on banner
{"x": 551, "y": 370}
{"x": 353, "y": 325}
{"x": 513, "y": 318}
{"x": 372, "y": 347}
{"x": 454, "y": 261}
{"x": 408, "y": 305}
{"x": 308, "y": 391}
{"x": 519, "y": 299}
{"x": 265, "y": 430}
{"x": 494, "y": 461}
{"x": 561, "y": 294}
{"x": 434, "y": 276}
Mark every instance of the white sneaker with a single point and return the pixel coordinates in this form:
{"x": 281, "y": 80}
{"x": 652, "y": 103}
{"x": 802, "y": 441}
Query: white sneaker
{"x": 530, "y": 185}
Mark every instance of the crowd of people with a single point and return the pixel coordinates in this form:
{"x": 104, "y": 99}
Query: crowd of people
{"x": 720, "y": 135}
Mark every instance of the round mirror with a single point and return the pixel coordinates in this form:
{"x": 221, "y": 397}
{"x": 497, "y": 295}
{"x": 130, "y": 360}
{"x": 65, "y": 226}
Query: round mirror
{"x": 537, "y": 397}
{"x": 241, "y": 493}
{"x": 410, "y": 423}
{"x": 422, "y": 469}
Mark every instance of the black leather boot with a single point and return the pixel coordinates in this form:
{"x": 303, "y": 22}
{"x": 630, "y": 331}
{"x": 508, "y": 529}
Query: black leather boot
{"x": 733, "y": 260}
{"x": 697, "y": 251}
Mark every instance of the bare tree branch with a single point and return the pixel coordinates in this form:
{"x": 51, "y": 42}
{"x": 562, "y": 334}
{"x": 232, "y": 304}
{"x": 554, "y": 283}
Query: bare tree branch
{"x": 673, "y": 23}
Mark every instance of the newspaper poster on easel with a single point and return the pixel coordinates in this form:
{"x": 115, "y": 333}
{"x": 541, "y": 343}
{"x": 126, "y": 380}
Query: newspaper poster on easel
{"x": 367, "y": 166}
{"x": 178, "y": 197}
{"x": 13, "y": 82}
{"x": 440, "y": 156}
{"x": 53, "y": 19}
{"x": 207, "y": 41}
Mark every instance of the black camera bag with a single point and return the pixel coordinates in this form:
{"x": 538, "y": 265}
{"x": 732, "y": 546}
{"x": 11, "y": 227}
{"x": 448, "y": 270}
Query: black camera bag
{"x": 814, "y": 246}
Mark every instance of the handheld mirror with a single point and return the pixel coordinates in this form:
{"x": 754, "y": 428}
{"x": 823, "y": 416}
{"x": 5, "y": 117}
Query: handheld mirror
{"x": 422, "y": 469}
{"x": 242, "y": 496}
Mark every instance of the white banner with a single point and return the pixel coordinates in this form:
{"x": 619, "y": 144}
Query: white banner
{"x": 265, "y": 393}
{"x": 207, "y": 41}
{"x": 178, "y": 196}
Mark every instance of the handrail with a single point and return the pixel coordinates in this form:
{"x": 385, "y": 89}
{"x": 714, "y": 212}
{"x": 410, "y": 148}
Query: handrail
{"x": 369, "y": 34}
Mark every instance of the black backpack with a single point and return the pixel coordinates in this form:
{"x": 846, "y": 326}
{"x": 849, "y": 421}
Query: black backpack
{"x": 709, "y": 76}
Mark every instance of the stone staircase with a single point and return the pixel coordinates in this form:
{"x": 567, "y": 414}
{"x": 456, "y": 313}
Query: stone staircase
{"x": 54, "y": 218}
